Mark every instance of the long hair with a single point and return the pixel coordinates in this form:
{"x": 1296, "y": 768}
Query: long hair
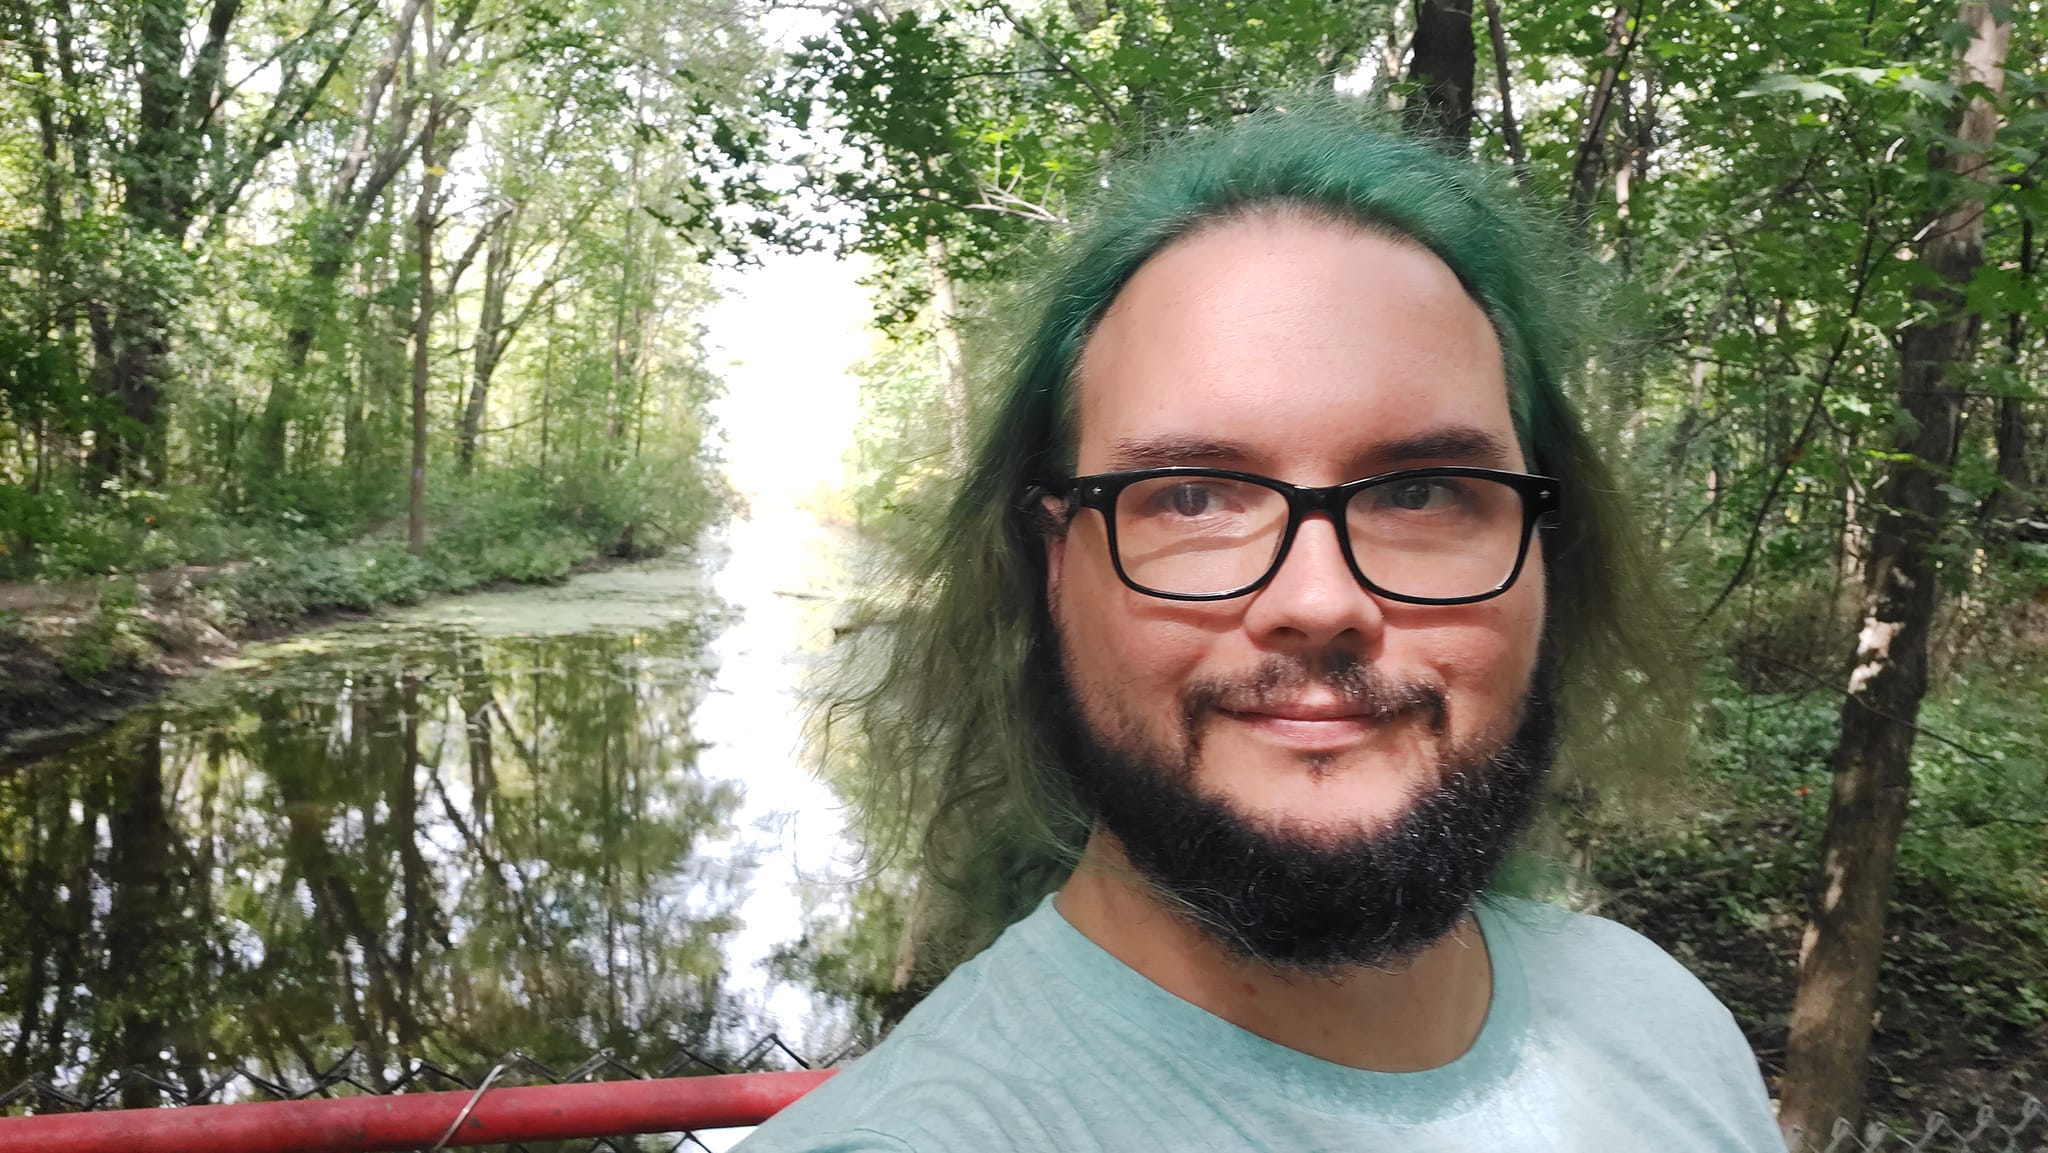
{"x": 942, "y": 715}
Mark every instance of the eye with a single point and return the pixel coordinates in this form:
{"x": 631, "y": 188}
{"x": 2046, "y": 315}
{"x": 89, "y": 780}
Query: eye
{"x": 1191, "y": 499}
{"x": 1185, "y": 498}
{"x": 1415, "y": 495}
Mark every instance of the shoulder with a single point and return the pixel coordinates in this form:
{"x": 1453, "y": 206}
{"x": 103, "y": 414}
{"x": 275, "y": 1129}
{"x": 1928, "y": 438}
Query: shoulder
{"x": 1613, "y": 1000}
{"x": 1578, "y": 955}
{"x": 942, "y": 1077}
{"x": 780, "y": 1140}
{"x": 1607, "y": 987}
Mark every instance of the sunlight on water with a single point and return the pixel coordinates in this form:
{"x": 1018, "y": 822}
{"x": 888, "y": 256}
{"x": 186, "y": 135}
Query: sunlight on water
{"x": 786, "y": 334}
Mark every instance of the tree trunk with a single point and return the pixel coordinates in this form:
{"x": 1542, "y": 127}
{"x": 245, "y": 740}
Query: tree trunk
{"x": 1640, "y": 117}
{"x": 547, "y": 388}
{"x": 616, "y": 396}
{"x": 423, "y": 325}
{"x": 946, "y": 334}
{"x": 1590, "y": 163}
{"x": 346, "y": 213}
{"x": 2007, "y": 499}
{"x": 51, "y": 242}
{"x": 1441, "y": 69}
{"x": 129, "y": 443}
{"x": 489, "y": 348}
{"x": 160, "y": 172}
{"x": 1510, "y": 129}
{"x": 176, "y": 164}
{"x": 1840, "y": 954}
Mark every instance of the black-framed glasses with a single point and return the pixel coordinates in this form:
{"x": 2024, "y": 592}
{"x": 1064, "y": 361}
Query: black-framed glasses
{"x": 1450, "y": 535}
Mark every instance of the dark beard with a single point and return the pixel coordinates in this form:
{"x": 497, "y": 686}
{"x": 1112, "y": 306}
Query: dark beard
{"x": 1325, "y": 903}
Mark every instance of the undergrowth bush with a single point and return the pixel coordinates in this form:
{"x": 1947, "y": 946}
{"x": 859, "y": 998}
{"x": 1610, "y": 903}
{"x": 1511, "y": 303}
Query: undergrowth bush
{"x": 1964, "y": 990}
{"x": 60, "y": 534}
{"x": 112, "y": 632}
{"x": 354, "y": 577}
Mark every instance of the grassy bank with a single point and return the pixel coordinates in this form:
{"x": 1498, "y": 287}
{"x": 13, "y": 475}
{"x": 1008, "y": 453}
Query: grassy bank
{"x": 105, "y": 606}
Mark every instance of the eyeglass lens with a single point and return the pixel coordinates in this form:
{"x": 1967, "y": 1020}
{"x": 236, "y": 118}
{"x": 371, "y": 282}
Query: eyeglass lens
{"x": 1430, "y": 537}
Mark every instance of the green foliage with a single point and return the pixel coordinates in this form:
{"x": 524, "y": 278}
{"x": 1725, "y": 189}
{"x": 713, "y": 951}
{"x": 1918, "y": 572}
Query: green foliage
{"x": 109, "y": 633}
{"x": 984, "y": 122}
{"x": 60, "y": 534}
{"x": 902, "y": 445}
{"x": 281, "y": 588}
{"x": 500, "y": 527}
{"x": 1725, "y": 888}
{"x": 209, "y": 363}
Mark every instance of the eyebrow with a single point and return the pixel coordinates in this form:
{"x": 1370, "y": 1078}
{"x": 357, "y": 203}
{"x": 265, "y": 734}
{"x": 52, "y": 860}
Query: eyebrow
{"x": 1167, "y": 451}
{"x": 1463, "y": 444}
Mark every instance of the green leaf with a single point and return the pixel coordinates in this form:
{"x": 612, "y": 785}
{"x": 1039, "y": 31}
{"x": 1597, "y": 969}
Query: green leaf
{"x": 1934, "y": 90}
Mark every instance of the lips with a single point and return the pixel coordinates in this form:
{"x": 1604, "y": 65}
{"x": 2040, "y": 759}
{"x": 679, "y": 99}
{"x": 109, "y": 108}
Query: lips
{"x": 1309, "y": 712}
{"x": 1311, "y": 709}
{"x": 1311, "y": 727}
{"x": 1318, "y": 709}
{"x": 1306, "y": 737}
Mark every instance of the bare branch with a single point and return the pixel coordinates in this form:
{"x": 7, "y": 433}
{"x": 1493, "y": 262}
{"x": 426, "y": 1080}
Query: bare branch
{"x": 1510, "y": 132}
{"x": 1108, "y": 106}
{"x": 1002, "y": 200}
{"x": 1625, "y": 30}
{"x": 1813, "y": 412}
{"x": 476, "y": 244}
{"x": 275, "y": 131}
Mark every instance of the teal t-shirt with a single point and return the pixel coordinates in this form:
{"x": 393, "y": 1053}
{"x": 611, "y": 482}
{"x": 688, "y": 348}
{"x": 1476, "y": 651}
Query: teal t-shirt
{"x": 1595, "y": 1040}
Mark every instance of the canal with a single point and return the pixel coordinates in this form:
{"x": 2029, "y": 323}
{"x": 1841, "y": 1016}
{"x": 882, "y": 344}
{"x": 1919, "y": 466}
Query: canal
{"x": 560, "y": 821}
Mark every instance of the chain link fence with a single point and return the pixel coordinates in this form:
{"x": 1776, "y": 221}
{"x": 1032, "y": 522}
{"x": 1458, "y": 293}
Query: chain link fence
{"x": 2023, "y": 1132}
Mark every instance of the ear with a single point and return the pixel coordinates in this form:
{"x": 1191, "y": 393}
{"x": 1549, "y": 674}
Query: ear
{"x": 1053, "y": 532}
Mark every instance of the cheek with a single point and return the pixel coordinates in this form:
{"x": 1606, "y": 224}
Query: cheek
{"x": 1127, "y": 654}
{"x": 1487, "y": 664}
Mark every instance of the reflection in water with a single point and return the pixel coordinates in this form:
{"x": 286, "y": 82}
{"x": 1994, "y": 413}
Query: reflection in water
{"x": 486, "y": 823}
{"x": 418, "y": 840}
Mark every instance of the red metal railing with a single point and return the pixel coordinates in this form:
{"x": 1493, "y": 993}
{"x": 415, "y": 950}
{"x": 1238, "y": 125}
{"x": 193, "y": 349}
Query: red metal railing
{"x": 485, "y": 1116}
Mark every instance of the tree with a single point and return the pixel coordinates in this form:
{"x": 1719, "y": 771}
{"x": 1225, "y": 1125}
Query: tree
{"x": 1841, "y": 953}
{"x": 1441, "y": 65}
{"x": 172, "y": 170}
{"x": 365, "y": 169}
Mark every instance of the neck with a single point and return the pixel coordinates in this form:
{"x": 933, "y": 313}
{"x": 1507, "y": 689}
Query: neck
{"x": 1422, "y": 1014}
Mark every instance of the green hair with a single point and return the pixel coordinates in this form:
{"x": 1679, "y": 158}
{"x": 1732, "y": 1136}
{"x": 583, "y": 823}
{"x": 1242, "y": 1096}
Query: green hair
{"x": 947, "y": 707}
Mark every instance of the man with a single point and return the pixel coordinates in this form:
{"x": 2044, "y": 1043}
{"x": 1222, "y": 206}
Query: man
{"x": 1266, "y": 584}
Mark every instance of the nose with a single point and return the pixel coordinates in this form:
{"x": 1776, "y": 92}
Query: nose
{"x": 1315, "y": 601}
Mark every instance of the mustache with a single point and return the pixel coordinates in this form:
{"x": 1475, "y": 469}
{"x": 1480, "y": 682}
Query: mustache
{"x": 1360, "y": 685}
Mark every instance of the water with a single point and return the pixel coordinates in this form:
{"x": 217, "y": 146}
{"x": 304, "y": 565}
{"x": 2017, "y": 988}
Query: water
{"x": 556, "y": 820}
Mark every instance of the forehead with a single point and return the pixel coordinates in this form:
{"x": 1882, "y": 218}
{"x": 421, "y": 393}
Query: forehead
{"x": 1293, "y": 346}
